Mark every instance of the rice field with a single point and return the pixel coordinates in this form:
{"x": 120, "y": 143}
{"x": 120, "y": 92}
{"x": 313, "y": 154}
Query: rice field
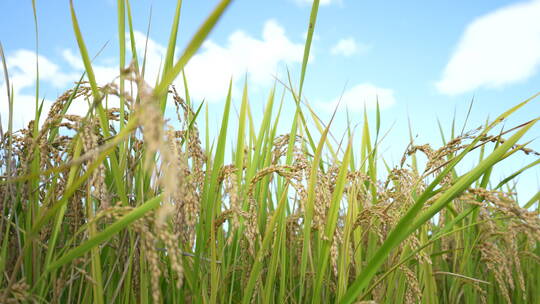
{"x": 124, "y": 206}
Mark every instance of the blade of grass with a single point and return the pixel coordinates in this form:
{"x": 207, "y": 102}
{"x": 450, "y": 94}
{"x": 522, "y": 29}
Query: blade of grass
{"x": 532, "y": 200}
{"x": 307, "y": 46}
{"x": 107, "y": 233}
{"x": 517, "y": 173}
{"x": 169, "y": 56}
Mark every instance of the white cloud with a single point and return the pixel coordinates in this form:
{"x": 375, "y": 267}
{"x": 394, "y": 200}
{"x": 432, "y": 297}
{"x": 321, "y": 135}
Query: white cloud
{"x": 22, "y": 73}
{"x": 22, "y": 76}
{"x": 365, "y": 94}
{"x": 22, "y": 69}
{"x": 209, "y": 71}
{"x": 23, "y": 109}
{"x": 348, "y": 47}
{"x": 500, "y": 48}
{"x": 102, "y": 72}
{"x": 73, "y": 60}
{"x": 106, "y": 70}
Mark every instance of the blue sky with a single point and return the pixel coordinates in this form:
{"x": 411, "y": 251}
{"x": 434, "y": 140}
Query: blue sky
{"x": 423, "y": 59}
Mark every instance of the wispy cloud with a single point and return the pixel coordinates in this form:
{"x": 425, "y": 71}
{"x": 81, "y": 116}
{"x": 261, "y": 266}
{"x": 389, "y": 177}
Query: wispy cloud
{"x": 348, "y": 46}
{"x": 73, "y": 60}
{"x": 22, "y": 67}
{"x": 106, "y": 70}
{"x": 500, "y": 48}
{"x": 209, "y": 71}
{"x": 362, "y": 95}
{"x": 22, "y": 77}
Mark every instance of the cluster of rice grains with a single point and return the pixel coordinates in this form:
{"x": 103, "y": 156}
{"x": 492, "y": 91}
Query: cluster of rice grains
{"x": 161, "y": 159}
{"x": 66, "y": 141}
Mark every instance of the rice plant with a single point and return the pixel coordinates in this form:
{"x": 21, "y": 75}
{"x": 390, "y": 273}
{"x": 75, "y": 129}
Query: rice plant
{"x": 123, "y": 206}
